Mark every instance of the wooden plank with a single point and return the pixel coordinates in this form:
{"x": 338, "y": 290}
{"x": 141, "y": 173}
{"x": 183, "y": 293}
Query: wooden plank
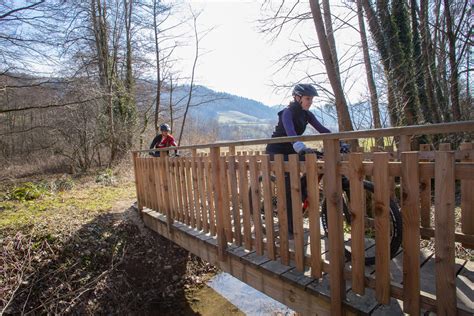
{"x": 210, "y": 196}
{"x": 296, "y": 205}
{"x": 216, "y": 170}
{"x": 225, "y": 199}
{"x": 235, "y": 200}
{"x": 382, "y": 227}
{"x": 255, "y": 192}
{"x": 189, "y": 184}
{"x": 268, "y": 206}
{"x": 278, "y": 168}
{"x": 467, "y": 201}
{"x": 333, "y": 193}
{"x": 425, "y": 193}
{"x": 197, "y": 205}
{"x": 244, "y": 197}
{"x": 137, "y": 186}
{"x": 173, "y": 190}
{"x": 156, "y": 173}
{"x": 166, "y": 193}
{"x": 444, "y": 233}
{"x": 183, "y": 190}
{"x": 405, "y": 143}
{"x": 357, "y": 207}
{"x": 411, "y": 232}
{"x": 202, "y": 193}
{"x": 314, "y": 216}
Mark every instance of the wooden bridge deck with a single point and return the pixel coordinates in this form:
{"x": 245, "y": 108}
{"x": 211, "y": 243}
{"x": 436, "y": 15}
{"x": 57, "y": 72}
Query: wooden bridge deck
{"x": 210, "y": 206}
{"x": 286, "y": 284}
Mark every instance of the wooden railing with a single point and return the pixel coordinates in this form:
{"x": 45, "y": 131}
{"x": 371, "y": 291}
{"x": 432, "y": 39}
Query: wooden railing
{"x": 209, "y": 191}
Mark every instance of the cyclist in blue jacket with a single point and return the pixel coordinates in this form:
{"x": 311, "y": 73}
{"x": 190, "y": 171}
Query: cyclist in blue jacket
{"x": 292, "y": 121}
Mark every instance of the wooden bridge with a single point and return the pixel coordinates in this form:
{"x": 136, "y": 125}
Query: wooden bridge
{"x": 209, "y": 202}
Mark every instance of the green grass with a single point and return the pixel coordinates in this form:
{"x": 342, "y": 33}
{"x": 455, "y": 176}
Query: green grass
{"x": 92, "y": 199}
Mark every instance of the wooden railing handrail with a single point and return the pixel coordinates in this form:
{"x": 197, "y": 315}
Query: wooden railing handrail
{"x": 442, "y": 128}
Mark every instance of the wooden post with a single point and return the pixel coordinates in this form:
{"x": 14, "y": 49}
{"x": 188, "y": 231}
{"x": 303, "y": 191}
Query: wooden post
{"x": 210, "y": 196}
{"x": 244, "y": 196}
{"x": 268, "y": 208}
{"x": 135, "y": 169}
{"x": 166, "y": 192}
{"x": 357, "y": 206}
{"x": 411, "y": 232}
{"x": 425, "y": 184}
{"x": 255, "y": 192}
{"x": 296, "y": 204}
{"x": 281, "y": 205}
{"x": 467, "y": 201}
{"x": 224, "y": 183}
{"x": 405, "y": 143}
{"x": 202, "y": 193}
{"x": 313, "y": 214}
{"x": 189, "y": 181}
{"x": 197, "y": 205}
{"x": 382, "y": 228}
{"x": 333, "y": 193}
{"x": 235, "y": 200}
{"x": 232, "y": 150}
{"x": 221, "y": 238}
{"x": 184, "y": 191}
{"x": 444, "y": 233}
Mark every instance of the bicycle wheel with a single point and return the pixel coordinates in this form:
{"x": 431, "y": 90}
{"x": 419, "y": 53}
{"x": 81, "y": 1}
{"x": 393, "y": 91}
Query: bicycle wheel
{"x": 395, "y": 219}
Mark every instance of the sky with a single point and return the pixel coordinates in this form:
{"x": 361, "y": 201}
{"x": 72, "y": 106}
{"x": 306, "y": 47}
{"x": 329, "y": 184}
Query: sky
{"x": 238, "y": 59}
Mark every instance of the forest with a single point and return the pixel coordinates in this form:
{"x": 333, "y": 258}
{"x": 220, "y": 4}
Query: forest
{"x": 83, "y": 82}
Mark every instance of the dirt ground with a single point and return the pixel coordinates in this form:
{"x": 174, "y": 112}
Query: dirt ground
{"x": 71, "y": 261}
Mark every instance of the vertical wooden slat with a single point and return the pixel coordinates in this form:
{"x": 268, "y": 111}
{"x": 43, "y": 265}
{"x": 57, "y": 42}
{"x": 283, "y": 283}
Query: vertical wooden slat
{"x": 281, "y": 205}
{"x": 357, "y": 207}
{"x": 425, "y": 194}
{"x": 166, "y": 193}
{"x": 159, "y": 200}
{"x": 444, "y": 233}
{"x": 231, "y": 150}
{"x": 202, "y": 193}
{"x": 444, "y": 146}
{"x": 467, "y": 201}
{"x": 411, "y": 232}
{"x": 333, "y": 193}
{"x": 184, "y": 191}
{"x": 296, "y": 204}
{"x": 382, "y": 228}
{"x": 172, "y": 185}
{"x": 225, "y": 199}
{"x": 235, "y": 200}
{"x": 268, "y": 207}
{"x": 197, "y": 206}
{"x": 179, "y": 192}
{"x": 244, "y": 196}
{"x": 255, "y": 192}
{"x": 216, "y": 170}
{"x": 405, "y": 143}
{"x": 210, "y": 196}
{"x": 137, "y": 185}
{"x": 189, "y": 181}
{"x": 145, "y": 181}
{"x": 313, "y": 214}
{"x": 154, "y": 185}
{"x": 149, "y": 183}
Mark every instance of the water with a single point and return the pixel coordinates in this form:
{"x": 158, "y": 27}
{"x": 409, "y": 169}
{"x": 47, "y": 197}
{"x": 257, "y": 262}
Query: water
{"x": 246, "y": 298}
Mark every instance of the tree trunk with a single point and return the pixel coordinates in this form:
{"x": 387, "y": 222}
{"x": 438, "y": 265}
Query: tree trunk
{"x": 344, "y": 119}
{"x": 374, "y": 100}
{"x": 426, "y": 60}
{"x": 454, "y": 77}
{"x": 158, "y": 68}
{"x": 330, "y": 36}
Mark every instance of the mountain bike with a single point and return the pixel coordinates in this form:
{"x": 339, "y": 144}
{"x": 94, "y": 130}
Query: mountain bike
{"x": 394, "y": 216}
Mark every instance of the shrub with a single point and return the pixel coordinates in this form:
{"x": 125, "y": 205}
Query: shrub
{"x": 27, "y": 191}
{"x": 106, "y": 177}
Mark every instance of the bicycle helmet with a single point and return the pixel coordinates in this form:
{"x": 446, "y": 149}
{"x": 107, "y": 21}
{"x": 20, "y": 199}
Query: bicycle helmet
{"x": 303, "y": 89}
{"x": 165, "y": 128}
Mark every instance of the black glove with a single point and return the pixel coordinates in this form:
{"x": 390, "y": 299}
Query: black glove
{"x": 307, "y": 151}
